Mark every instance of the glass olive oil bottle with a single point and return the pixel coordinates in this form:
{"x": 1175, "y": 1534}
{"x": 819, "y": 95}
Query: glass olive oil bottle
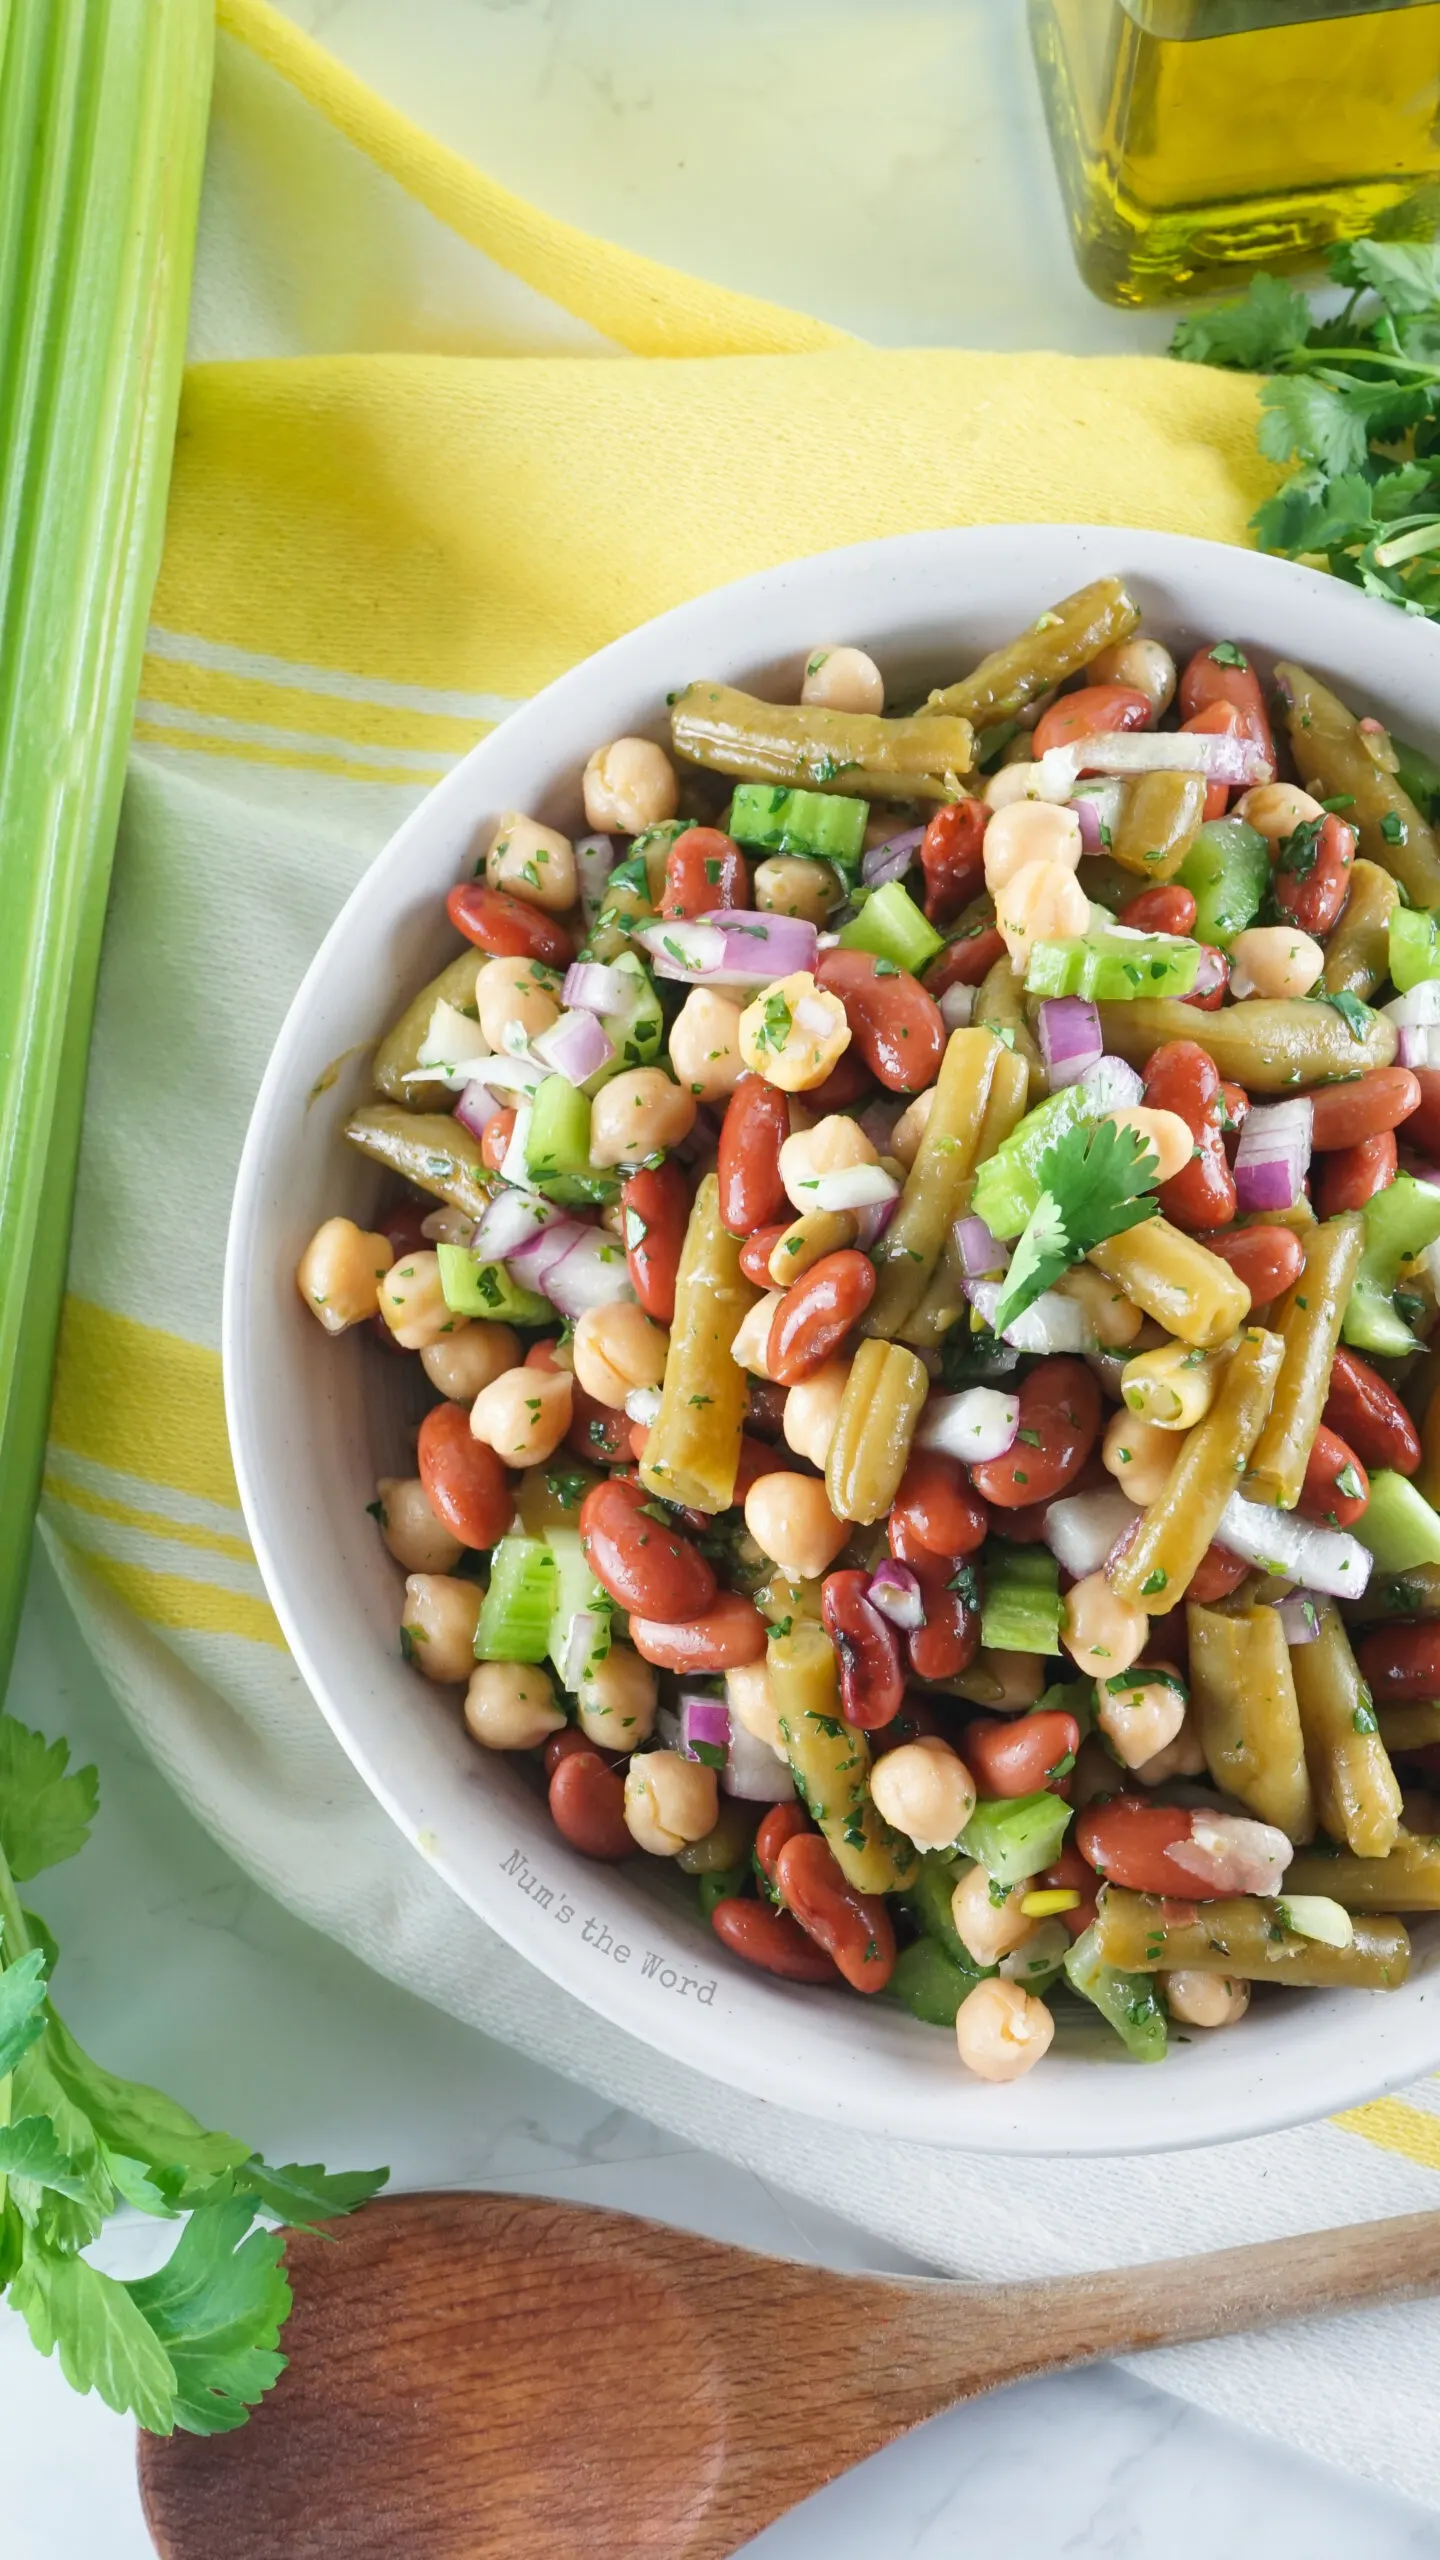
{"x": 1195, "y": 136}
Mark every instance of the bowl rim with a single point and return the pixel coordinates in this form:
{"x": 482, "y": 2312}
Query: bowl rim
{"x": 765, "y": 2065}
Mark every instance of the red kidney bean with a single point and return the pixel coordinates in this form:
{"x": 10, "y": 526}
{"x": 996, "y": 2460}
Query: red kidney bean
{"x": 1349, "y": 1176}
{"x": 895, "y": 1025}
{"x": 872, "y": 1684}
{"x": 755, "y": 1253}
{"x": 587, "y": 1806}
{"x": 638, "y": 1558}
{"x": 564, "y": 1745}
{"x": 1369, "y": 1414}
{"x": 1026, "y": 1527}
{"x": 917, "y": 1717}
{"x": 1268, "y": 1259}
{"x": 403, "y": 1227}
{"x": 1059, "y": 1426}
{"x": 1208, "y": 681}
{"x": 1128, "y": 1842}
{"x": 771, "y": 1939}
{"x": 495, "y": 1142}
{"x": 848, "y": 1082}
{"x": 1422, "y": 1127}
{"x": 783, "y": 1822}
{"x": 952, "y": 858}
{"x": 950, "y": 1638}
{"x": 1096, "y": 711}
{"x": 466, "y": 1485}
{"x": 1321, "y": 1496}
{"x": 816, "y": 1313}
{"x": 758, "y": 1458}
{"x": 1020, "y": 1756}
{"x": 966, "y": 960}
{"x": 1235, "y": 1103}
{"x": 1401, "y": 1663}
{"x": 656, "y": 1206}
{"x": 1071, "y": 1874}
{"x": 1311, "y": 880}
{"x": 755, "y": 1128}
{"x": 1183, "y": 1078}
{"x": 938, "y": 1506}
{"x": 597, "y": 1431}
{"x": 704, "y": 871}
{"x": 1167, "y": 908}
{"x": 765, "y": 1407}
{"x": 506, "y": 927}
{"x": 1213, "y": 976}
{"x": 1219, "y": 1572}
{"x": 854, "y": 1928}
{"x": 729, "y": 1634}
{"x": 1346, "y": 1114}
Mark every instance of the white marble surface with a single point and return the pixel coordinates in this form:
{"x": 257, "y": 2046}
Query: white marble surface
{"x": 881, "y": 162}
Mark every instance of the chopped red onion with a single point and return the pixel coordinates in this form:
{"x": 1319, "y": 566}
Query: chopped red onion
{"x": 957, "y": 1007}
{"x": 685, "y": 951}
{"x": 512, "y": 1219}
{"x": 583, "y": 1639}
{"x": 575, "y": 1047}
{"x": 1083, "y": 1530}
{"x": 515, "y": 1166}
{"x": 891, "y": 860}
{"x": 1229, "y": 1853}
{"x": 476, "y": 1107}
{"x": 1299, "y": 1615}
{"x": 1328, "y": 1560}
{"x": 1274, "y": 1153}
{"x": 1418, "y": 1045}
{"x": 871, "y": 1223}
{"x": 853, "y": 1186}
{"x": 1233, "y": 761}
{"x": 981, "y": 1254}
{"x": 1097, "y": 806}
{"x": 642, "y": 1405}
{"x": 1417, "y": 1008}
{"x": 593, "y": 987}
{"x": 516, "y": 1076}
{"x": 595, "y": 859}
{"x": 533, "y": 1261}
{"x": 703, "y": 1719}
{"x": 894, "y": 1589}
{"x": 1049, "y": 1324}
{"x": 592, "y": 1273}
{"x": 1070, "y": 1041}
{"x": 1213, "y": 972}
{"x": 1112, "y": 1085}
{"x": 760, "y": 948}
{"x": 980, "y": 1422}
{"x": 878, "y": 1121}
{"x": 754, "y": 1772}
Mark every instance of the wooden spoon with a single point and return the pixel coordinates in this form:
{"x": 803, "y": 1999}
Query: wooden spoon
{"x": 496, "y": 2377}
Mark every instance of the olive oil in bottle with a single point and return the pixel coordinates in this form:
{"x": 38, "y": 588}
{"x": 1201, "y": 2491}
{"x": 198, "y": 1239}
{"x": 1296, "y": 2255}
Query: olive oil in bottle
{"x": 1195, "y": 137}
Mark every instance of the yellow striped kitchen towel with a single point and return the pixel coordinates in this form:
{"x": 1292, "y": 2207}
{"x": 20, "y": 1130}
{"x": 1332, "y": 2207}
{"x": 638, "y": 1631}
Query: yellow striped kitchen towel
{"x": 434, "y": 447}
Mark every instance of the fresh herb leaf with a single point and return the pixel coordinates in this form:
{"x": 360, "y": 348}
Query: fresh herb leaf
{"x": 1356, "y": 1016}
{"x": 1270, "y": 319}
{"x": 301, "y": 2197}
{"x": 1095, "y": 1182}
{"x": 45, "y": 1814}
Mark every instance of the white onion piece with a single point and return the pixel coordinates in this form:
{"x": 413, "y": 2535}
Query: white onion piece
{"x": 1419, "y": 1045}
{"x": 506, "y": 1074}
{"x": 957, "y": 1007}
{"x": 512, "y": 1218}
{"x": 515, "y": 1166}
{"x": 1084, "y": 1528}
{"x": 1234, "y": 761}
{"x": 687, "y": 951}
{"x": 576, "y": 1047}
{"x": 753, "y": 1771}
{"x": 595, "y": 859}
{"x": 594, "y": 987}
{"x": 1228, "y": 1853}
{"x": 1327, "y": 1560}
{"x": 894, "y": 1589}
{"x": 451, "y": 1042}
{"x": 1418, "y": 1009}
{"x": 584, "y": 1638}
{"x": 980, "y": 1422}
{"x": 1052, "y": 1324}
{"x": 853, "y": 1186}
{"x": 593, "y": 1273}
{"x": 1112, "y": 1085}
{"x": 642, "y": 1405}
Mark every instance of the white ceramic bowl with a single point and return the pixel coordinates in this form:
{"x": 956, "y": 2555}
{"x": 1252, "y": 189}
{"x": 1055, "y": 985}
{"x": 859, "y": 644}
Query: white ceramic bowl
{"x": 314, "y": 1421}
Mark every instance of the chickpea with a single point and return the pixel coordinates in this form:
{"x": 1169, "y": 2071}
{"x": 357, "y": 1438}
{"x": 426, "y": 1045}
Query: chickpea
{"x": 1114, "y": 1319}
{"x": 617, "y": 1349}
{"x": 812, "y": 1410}
{"x": 628, "y": 786}
{"x": 1030, "y": 831}
{"x": 510, "y": 1706}
{"x": 751, "y": 1346}
{"x": 788, "y": 885}
{"x": 1164, "y": 1133}
{"x": 615, "y": 1702}
{"x": 1041, "y": 902}
{"x": 1102, "y": 1633}
{"x": 438, "y": 1619}
{"x": 520, "y": 991}
{"x": 705, "y": 1045}
{"x": 1142, "y": 1718}
{"x": 750, "y": 1698}
{"x": 794, "y": 1033}
{"x": 340, "y": 1271}
{"x": 1204, "y": 1999}
{"x": 988, "y": 1918}
{"x": 843, "y": 680}
{"x": 925, "y": 1790}
{"x": 1145, "y": 665}
{"x": 1173, "y": 1386}
{"x": 1139, "y": 1455}
{"x": 638, "y": 1114}
{"x": 832, "y": 1146}
{"x": 460, "y": 1364}
{"x": 1016, "y": 777}
{"x": 1274, "y": 960}
{"x": 412, "y": 1302}
{"x": 524, "y": 1415}
{"x": 1276, "y": 809}
{"x": 910, "y": 1128}
{"x": 410, "y": 1529}
{"x": 1181, "y": 1757}
{"x": 669, "y": 1800}
{"x": 532, "y": 862}
{"x": 1002, "y": 2031}
{"x": 791, "y": 1521}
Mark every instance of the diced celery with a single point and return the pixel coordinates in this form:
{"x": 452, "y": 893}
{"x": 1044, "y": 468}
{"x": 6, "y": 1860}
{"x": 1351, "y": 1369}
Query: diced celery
{"x": 1021, "y": 1610}
{"x": 474, "y": 1288}
{"x": 892, "y": 926}
{"x": 516, "y": 1612}
{"x": 819, "y": 823}
{"x": 637, "y": 1030}
{"x": 559, "y": 1135}
{"x": 1399, "y": 1222}
{"x": 1007, "y": 1185}
{"x": 1414, "y": 947}
{"x": 927, "y": 1984}
{"x": 1128, "y": 2000}
{"x": 1071, "y": 1698}
{"x": 1013, "y": 1837}
{"x": 721, "y": 1886}
{"x": 1399, "y": 1527}
{"x": 928, "y": 1899}
{"x": 576, "y": 1589}
{"x": 1113, "y": 967}
{"x": 1227, "y": 871}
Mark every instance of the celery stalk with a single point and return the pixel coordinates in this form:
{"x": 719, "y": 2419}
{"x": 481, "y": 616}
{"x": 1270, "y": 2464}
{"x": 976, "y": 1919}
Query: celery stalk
{"x": 102, "y": 127}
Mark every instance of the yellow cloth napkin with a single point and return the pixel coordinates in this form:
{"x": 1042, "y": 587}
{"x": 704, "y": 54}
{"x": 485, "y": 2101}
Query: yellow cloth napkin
{"x": 435, "y": 448}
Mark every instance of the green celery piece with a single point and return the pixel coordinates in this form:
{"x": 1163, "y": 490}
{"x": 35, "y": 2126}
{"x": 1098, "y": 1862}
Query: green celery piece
{"x": 1021, "y": 1612}
{"x": 575, "y": 1589}
{"x": 1113, "y": 967}
{"x": 514, "y": 1623}
{"x": 1128, "y": 2000}
{"x": 723, "y": 1884}
{"x": 822, "y": 824}
{"x": 102, "y": 129}
{"x": 1227, "y": 871}
{"x": 1007, "y": 1185}
{"x": 892, "y": 926}
{"x": 928, "y": 1899}
{"x": 1013, "y": 1837}
{"x": 1399, "y": 1221}
{"x": 1399, "y": 1527}
{"x": 1414, "y": 947}
{"x": 637, "y": 1030}
{"x": 473, "y": 1288}
{"x": 559, "y": 1139}
{"x": 927, "y": 1984}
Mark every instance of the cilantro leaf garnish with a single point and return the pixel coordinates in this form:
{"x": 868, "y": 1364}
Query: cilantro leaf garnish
{"x": 1095, "y": 1182}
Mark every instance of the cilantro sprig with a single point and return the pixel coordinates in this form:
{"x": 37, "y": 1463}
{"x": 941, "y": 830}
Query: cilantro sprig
{"x": 195, "y": 2345}
{"x": 1095, "y": 1182}
{"x": 1353, "y": 404}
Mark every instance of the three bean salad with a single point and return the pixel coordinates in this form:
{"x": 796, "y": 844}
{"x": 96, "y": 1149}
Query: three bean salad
{"x": 924, "y": 1227}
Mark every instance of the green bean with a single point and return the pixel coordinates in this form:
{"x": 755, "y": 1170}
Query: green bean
{"x": 1270, "y": 1044}
{"x": 1000, "y": 1007}
{"x": 858, "y": 753}
{"x": 907, "y": 1253}
{"x": 1177, "y": 1280}
{"x": 1308, "y": 1320}
{"x": 928, "y": 1984}
{"x": 1157, "y": 1566}
{"x": 929, "y": 1897}
{"x": 945, "y": 1301}
{"x": 1357, "y": 1794}
{"x": 1160, "y": 815}
{"x": 1059, "y": 644}
{"x": 430, "y": 1149}
{"x": 883, "y": 1401}
{"x": 1242, "y": 1699}
{"x": 1335, "y": 757}
{"x": 1407, "y": 1880}
{"x": 398, "y": 1055}
{"x": 1412, "y": 1594}
{"x": 1357, "y": 955}
{"x": 693, "y": 1452}
{"x": 1412, "y": 1727}
{"x": 830, "y": 1760}
{"x": 1246, "y": 1937}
